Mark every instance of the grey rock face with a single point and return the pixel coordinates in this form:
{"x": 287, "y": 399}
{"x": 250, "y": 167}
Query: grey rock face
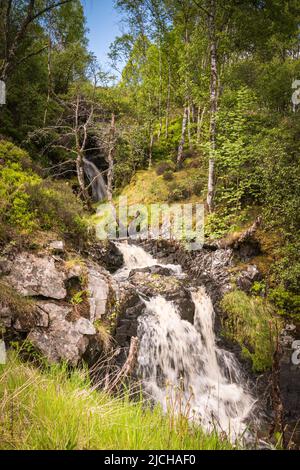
{"x": 107, "y": 254}
{"x": 54, "y": 327}
{"x": 32, "y": 275}
{"x": 98, "y": 293}
{"x": 57, "y": 246}
{"x": 62, "y": 340}
{"x": 169, "y": 287}
{"x": 247, "y": 277}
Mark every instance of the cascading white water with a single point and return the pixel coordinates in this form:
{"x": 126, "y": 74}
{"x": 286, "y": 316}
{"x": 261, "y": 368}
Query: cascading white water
{"x": 96, "y": 180}
{"x": 135, "y": 257}
{"x": 180, "y": 365}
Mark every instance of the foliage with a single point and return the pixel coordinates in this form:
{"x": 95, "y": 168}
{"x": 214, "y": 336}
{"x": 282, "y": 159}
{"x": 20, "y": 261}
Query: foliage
{"x": 252, "y": 323}
{"x": 59, "y": 410}
{"x": 17, "y": 304}
{"x": 28, "y": 203}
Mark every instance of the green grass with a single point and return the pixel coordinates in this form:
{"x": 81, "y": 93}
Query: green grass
{"x": 252, "y": 322}
{"x": 58, "y": 410}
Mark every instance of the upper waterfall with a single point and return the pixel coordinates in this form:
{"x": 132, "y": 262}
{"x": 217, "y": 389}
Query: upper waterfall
{"x": 96, "y": 180}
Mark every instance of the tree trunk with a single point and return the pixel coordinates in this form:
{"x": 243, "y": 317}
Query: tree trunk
{"x": 160, "y": 95}
{"x": 213, "y": 104}
{"x": 49, "y": 60}
{"x": 168, "y": 103}
{"x": 189, "y": 126}
{"x": 200, "y": 122}
{"x": 151, "y": 147}
{"x": 110, "y": 159}
{"x": 182, "y": 140}
{"x": 81, "y": 180}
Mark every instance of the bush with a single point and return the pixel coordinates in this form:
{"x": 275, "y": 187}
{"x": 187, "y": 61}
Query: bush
{"x": 10, "y": 153}
{"x": 56, "y": 207}
{"x": 286, "y": 302}
{"x": 28, "y": 203}
{"x": 252, "y": 323}
{"x": 180, "y": 192}
{"x": 168, "y": 176}
{"x": 164, "y": 167}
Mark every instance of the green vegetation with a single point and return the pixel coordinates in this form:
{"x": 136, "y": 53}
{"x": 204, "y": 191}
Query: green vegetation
{"x": 20, "y": 307}
{"x": 252, "y": 323}
{"x": 58, "y": 409}
{"x": 29, "y": 203}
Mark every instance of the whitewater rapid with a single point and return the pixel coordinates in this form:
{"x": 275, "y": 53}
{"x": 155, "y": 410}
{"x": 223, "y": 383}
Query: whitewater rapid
{"x": 181, "y": 366}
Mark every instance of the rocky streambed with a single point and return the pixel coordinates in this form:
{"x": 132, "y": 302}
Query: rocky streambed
{"x": 57, "y": 302}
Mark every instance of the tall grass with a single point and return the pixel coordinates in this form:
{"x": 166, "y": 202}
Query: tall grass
{"x": 59, "y": 410}
{"x": 253, "y": 323}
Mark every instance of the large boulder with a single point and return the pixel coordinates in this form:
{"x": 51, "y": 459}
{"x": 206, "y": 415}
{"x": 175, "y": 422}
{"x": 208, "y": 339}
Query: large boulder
{"x": 102, "y": 290}
{"x": 170, "y": 287}
{"x": 130, "y": 307}
{"x": 209, "y": 267}
{"x": 37, "y": 276}
{"x": 62, "y": 339}
{"x": 99, "y": 284}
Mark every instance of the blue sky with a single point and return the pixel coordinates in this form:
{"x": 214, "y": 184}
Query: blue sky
{"x": 103, "y": 21}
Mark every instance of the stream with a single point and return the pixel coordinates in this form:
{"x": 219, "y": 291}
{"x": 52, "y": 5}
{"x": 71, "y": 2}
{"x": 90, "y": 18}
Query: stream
{"x": 180, "y": 364}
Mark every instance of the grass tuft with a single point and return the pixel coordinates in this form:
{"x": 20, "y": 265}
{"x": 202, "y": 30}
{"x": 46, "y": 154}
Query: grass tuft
{"x": 59, "y": 410}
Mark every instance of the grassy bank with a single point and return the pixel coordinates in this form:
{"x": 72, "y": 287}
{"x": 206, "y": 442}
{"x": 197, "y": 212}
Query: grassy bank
{"x": 55, "y": 409}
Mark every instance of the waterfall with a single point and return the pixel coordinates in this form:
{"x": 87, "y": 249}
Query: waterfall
{"x": 135, "y": 257}
{"x": 96, "y": 180}
{"x": 180, "y": 365}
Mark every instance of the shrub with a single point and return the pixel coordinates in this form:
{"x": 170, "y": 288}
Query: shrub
{"x": 180, "y": 192}
{"x": 252, "y": 323}
{"x": 56, "y": 207}
{"x": 28, "y": 203}
{"x": 287, "y": 302}
{"x": 168, "y": 176}
{"x": 10, "y": 153}
{"x": 164, "y": 167}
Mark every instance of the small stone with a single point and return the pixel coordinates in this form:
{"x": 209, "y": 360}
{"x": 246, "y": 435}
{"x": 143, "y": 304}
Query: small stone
{"x": 57, "y": 246}
{"x": 85, "y": 327}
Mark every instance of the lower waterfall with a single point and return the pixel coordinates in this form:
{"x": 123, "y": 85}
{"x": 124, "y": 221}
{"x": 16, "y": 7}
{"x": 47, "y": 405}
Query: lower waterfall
{"x": 180, "y": 365}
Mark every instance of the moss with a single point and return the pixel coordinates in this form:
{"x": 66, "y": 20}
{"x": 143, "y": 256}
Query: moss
{"x": 19, "y": 306}
{"x": 251, "y": 322}
{"x": 12, "y": 299}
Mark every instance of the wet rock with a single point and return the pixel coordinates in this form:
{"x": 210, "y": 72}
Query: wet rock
{"x": 161, "y": 270}
{"x": 247, "y": 277}
{"x": 208, "y": 266}
{"x": 130, "y": 308}
{"x": 169, "y": 287}
{"x": 101, "y": 288}
{"x": 32, "y": 275}
{"x": 106, "y": 254}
